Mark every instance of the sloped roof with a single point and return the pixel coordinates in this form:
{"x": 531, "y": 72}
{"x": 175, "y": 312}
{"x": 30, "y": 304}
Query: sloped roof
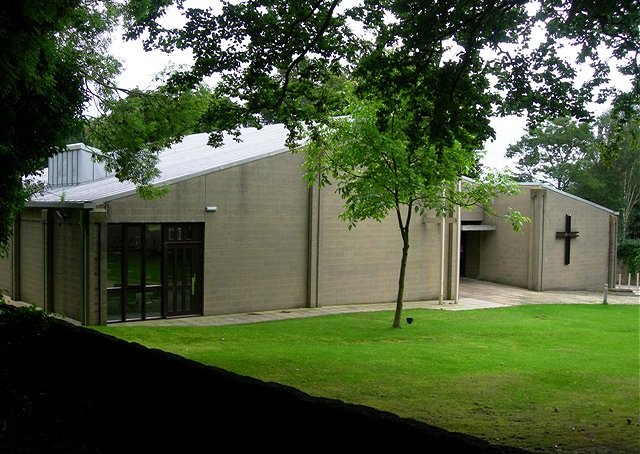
{"x": 190, "y": 158}
{"x": 568, "y": 195}
{"x": 538, "y": 184}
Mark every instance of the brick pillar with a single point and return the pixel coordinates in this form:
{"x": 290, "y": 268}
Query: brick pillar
{"x": 313, "y": 284}
{"x": 14, "y": 254}
{"x": 47, "y": 274}
{"x": 613, "y": 251}
{"x": 536, "y": 240}
{"x": 96, "y": 267}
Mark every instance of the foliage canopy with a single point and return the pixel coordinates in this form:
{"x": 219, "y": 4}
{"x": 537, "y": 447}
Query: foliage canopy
{"x": 453, "y": 64}
{"x": 53, "y": 56}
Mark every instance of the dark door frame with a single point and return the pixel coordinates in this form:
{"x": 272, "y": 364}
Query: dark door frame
{"x": 191, "y": 250}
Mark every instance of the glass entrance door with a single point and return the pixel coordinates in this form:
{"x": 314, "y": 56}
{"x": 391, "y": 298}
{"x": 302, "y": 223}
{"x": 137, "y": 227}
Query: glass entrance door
{"x": 154, "y": 270}
{"x": 183, "y": 279}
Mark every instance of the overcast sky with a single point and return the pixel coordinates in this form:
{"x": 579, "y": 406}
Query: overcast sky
{"x": 140, "y": 69}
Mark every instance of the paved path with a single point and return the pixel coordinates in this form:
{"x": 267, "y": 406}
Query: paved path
{"x": 473, "y": 295}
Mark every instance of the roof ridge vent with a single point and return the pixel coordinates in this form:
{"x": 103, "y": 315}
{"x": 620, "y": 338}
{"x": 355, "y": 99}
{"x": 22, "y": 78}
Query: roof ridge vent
{"x": 75, "y": 166}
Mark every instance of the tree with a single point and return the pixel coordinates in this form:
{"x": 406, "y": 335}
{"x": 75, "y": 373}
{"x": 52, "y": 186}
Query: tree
{"x": 268, "y": 54}
{"x": 272, "y": 58}
{"x": 137, "y": 127}
{"x": 51, "y": 52}
{"x": 552, "y": 152}
{"x": 610, "y": 174}
{"x": 379, "y": 168}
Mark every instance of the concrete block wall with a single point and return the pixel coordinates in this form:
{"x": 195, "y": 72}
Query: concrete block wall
{"x": 504, "y": 253}
{"x": 185, "y": 202}
{"x": 255, "y": 245}
{"x": 256, "y": 248}
{"x": 32, "y": 257}
{"x": 362, "y": 265}
{"x": 6, "y": 271}
{"x": 589, "y": 252}
{"x": 68, "y": 260}
{"x": 96, "y": 260}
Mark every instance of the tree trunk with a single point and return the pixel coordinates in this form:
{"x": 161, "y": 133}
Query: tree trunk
{"x": 403, "y": 269}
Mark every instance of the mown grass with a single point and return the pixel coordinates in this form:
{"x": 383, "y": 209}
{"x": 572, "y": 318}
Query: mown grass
{"x": 548, "y": 378}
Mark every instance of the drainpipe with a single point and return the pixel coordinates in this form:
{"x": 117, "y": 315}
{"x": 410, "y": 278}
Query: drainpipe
{"x": 443, "y": 225}
{"x": 45, "y": 280}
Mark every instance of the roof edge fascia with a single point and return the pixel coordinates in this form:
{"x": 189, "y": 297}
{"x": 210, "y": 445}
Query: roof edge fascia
{"x": 87, "y": 205}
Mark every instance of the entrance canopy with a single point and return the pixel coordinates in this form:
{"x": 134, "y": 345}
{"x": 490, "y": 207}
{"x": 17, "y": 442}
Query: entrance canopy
{"x": 477, "y": 227}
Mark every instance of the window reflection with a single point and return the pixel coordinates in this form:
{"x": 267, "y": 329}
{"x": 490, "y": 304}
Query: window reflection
{"x": 114, "y": 307}
{"x": 138, "y": 277}
{"x": 114, "y": 255}
{"x": 153, "y": 255}
{"x": 153, "y": 307}
{"x": 133, "y": 305}
{"x": 134, "y": 254}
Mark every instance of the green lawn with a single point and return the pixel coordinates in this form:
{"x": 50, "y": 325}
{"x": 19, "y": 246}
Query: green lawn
{"x": 549, "y": 378}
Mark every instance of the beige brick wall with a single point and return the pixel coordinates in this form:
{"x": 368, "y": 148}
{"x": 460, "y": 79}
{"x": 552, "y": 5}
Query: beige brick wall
{"x": 504, "y": 253}
{"x": 257, "y": 243}
{"x": 362, "y": 265}
{"x": 256, "y": 249}
{"x": 68, "y": 265}
{"x": 97, "y": 266}
{"x": 508, "y": 257}
{"x": 185, "y": 202}
{"x": 6, "y": 271}
{"x": 589, "y": 252}
{"x": 32, "y": 257}
{"x": 255, "y": 246}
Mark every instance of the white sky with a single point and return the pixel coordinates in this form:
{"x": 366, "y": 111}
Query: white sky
{"x": 140, "y": 69}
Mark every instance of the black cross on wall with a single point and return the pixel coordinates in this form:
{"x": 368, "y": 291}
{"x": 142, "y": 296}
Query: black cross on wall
{"x": 567, "y": 235}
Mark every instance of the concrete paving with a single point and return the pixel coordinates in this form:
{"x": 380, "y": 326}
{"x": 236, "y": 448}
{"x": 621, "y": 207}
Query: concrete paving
{"x": 474, "y": 295}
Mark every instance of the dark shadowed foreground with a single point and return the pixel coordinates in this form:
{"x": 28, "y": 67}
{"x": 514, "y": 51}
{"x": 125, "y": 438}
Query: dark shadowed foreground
{"x": 65, "y": 389}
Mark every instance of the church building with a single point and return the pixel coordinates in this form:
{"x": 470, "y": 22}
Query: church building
{"x": 241, "y": 231}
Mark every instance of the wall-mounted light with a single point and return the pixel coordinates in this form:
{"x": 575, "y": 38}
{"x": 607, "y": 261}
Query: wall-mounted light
{"x": 212, "y": 209}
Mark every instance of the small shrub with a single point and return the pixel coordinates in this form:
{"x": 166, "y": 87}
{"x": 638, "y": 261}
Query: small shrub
{"x": 23, "y": 320}
{"x": 629, "y": 253}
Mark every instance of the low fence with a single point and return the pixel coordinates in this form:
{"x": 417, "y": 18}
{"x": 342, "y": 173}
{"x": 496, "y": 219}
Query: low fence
{"x": 629, "y": 283}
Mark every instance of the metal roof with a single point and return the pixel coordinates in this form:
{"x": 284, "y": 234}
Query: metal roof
{"x": 189, "y": 158}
